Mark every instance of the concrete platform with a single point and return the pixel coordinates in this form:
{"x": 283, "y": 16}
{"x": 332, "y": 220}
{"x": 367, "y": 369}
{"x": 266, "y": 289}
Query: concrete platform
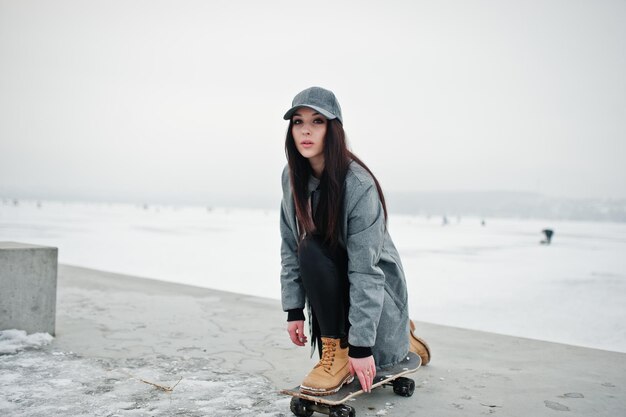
{"x": 105, "y": 315}
{"x": 28, "y": 287}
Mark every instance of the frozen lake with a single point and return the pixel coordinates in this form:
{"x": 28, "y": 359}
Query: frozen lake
{"x": 495, "y": 277}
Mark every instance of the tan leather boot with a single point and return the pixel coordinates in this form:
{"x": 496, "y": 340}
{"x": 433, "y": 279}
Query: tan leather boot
{"x": 331, "y": 372}
{"x": 418, "y": 345}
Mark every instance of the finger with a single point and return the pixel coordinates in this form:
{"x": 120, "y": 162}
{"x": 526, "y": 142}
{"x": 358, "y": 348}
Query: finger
{"x": 362, "y": 381}
{"x": 370, "y": 379}
{"x": 368, "y": 383}
{"x": 294, "y": 337}
{"x": 301, "y": 335}
{"x": 292, "y": 334}
{"x": 351, "y": 368}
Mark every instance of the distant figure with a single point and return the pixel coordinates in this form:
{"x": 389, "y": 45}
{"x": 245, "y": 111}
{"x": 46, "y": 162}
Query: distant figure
{"x": 548, "y": 233}
{"x": 444, "y": 221}
{"x": 482, "y": 222}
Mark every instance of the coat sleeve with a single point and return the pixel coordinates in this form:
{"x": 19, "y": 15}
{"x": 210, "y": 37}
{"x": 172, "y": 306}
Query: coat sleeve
{"x": 365, "y": 237}
{"x": 292, "y": 290}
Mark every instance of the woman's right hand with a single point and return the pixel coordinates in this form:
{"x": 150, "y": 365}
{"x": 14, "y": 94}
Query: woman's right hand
{"x": 296, "y": 332}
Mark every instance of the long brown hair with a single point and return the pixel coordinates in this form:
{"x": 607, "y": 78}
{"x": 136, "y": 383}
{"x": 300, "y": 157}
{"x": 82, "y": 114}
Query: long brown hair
{"x": 337, "y": 158}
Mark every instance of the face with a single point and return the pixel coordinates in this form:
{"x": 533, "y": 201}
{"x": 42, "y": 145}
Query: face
{"x": 309, "y": 131}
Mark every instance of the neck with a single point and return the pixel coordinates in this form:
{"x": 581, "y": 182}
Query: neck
{"x": 317, "y": 164}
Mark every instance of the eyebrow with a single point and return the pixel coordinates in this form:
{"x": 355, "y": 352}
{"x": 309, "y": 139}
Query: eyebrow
{"x": 314, "y": 114}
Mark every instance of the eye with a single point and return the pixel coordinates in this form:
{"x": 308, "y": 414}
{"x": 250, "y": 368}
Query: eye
{"x": 297, "y": 121}
{"x": 319, "y": 120}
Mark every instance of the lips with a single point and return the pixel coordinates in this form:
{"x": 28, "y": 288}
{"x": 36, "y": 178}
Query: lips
{"x": 306, "y": 143}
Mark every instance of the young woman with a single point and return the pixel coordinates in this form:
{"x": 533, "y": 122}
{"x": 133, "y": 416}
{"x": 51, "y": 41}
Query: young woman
{"x": 337, "y": 254}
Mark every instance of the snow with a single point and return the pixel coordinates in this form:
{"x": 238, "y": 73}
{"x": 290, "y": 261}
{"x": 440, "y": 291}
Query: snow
{"x": 109, "y": 387}
{"x": 495, "y": 278}
{"x": 13, "y": 341}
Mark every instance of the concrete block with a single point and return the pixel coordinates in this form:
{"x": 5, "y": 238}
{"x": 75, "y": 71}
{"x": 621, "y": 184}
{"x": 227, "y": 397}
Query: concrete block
{"x": 28, "y": 287}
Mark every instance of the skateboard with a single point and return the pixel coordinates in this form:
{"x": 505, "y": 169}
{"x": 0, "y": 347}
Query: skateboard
{"x": 334, "y": 405}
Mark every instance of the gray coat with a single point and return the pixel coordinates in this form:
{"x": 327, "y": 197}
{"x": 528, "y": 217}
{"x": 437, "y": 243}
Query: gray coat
{"x": 378, "y": 312}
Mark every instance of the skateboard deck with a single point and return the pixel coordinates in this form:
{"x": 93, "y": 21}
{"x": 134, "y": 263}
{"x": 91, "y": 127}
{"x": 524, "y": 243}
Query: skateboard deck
{"x": 389, "y": 376}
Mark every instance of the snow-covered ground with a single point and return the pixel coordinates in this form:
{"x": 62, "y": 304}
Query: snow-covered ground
{"x": 495, "y": 277}
{"x": 37, "y": 383}
{"x": 13, "y": 341}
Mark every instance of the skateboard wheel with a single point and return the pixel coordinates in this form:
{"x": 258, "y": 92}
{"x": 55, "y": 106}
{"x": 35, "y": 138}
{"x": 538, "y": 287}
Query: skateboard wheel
{"x": 404, "y": 387}
{"x": 342, "y": 411}
{"x": 300, "y": 407}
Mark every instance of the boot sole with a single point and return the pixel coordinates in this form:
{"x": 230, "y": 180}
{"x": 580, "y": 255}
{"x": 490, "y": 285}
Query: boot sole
{"x": 322, "y": 392}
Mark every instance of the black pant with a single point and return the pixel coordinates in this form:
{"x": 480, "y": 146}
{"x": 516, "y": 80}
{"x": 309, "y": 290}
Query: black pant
{"x": 324, "y": 275}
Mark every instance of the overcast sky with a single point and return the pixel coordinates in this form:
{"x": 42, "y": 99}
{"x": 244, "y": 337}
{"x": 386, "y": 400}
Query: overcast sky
{"x": 183, "y": 100}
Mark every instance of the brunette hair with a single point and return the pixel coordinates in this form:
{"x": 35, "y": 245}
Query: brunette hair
{"x": 337, "y": 158}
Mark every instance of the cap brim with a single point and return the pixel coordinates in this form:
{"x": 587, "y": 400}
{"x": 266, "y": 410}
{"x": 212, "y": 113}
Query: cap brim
{"x": 321, "y": 111}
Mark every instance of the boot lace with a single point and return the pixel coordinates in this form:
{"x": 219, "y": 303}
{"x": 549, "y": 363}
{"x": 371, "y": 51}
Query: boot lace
{"x": 328, "y": 354}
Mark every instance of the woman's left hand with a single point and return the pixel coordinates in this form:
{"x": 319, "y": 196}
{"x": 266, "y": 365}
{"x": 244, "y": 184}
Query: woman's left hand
{"x": 365, "y": 370}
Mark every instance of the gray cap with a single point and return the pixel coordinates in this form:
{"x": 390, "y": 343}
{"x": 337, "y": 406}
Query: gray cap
{"x": 319, "y": 99}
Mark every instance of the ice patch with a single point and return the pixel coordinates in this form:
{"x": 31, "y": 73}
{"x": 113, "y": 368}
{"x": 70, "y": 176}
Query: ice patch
{"x": 13, "y": 341}
{"x": 122, "y": 387}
